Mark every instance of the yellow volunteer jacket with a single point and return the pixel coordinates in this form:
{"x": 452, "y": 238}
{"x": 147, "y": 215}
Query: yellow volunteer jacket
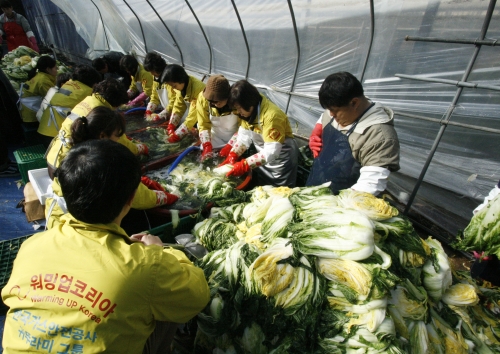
{"x": 38, "y": 86}
{"x": 272, "y": 124}
{"x": 144, "y": 197}
{"x": 202, "y": 108}
{"x": 193, "y": 89}
{"x": 89, "y": 103}
{"x": 171, "y": 95}
{"x": 87, "y": 288}
{"x": 77, "y": 92}
{"x": 145, "y": 79}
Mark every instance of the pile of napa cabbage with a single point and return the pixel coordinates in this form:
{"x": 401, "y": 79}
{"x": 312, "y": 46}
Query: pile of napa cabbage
{"x": 18, "y": 62}
{"x": 302, "y": 271}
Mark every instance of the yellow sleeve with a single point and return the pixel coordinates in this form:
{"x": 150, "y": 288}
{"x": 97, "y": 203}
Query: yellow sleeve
{"x": 171, "y": 97}
{"x": 154, "y": 94}
{"x": 144, "y": 198}
{"x": 132, "y": 84}
{"x": 181, "y": 291}
{"x": 192, "y": 117}
{"x": 128, "y": 144}
{"x": 179, "y": 107}
{"x": 202, "y": 107}
{"x": 146, "y": 82}
{"x": 274, "y": 125}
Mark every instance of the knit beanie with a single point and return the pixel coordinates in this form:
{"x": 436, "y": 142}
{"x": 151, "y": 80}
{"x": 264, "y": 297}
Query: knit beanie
{"x": 217, "y": 88}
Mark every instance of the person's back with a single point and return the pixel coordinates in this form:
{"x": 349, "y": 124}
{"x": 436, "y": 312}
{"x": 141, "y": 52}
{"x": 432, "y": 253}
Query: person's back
{"x": 85, "y": 285}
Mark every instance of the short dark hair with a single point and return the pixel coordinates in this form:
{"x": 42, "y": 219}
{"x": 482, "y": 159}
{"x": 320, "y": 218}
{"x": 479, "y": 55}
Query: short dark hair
{"x": 44, "y": 62}
{"x": 99, "y": 120}
{"x": 86, "y": 75}
{"x": 244, "y": 94}
{"x": 99, "y": 64}
{"x": 339, "y": 89}
{"x": 112, "y": 91}
{"x": 129, "y": 64}
{"x": 4, "y": 4}
{"x": 154, "y": 62}
{"x": 174, "y": 73}
{"x": 97, "y": 179}
{"x": 62, "y": 78}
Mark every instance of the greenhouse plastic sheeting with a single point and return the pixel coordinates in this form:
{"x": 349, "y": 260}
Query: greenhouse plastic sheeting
{"x": 207, "y": 37}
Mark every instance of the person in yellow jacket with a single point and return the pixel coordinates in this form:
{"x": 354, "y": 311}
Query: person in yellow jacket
{"x": 162, "y": 94}
{"x": 100, "y": 123}
{"x": 40, "y": 79}
{"x": 267, "y": 127}
{"x": 217, "y": 122}
{"x": 141, "y": 86}
{"x": 67, "y": 96}
{"x": 86, "y": 286}
{"x": 187, "y": 88}
{"x": 108, "y": 93}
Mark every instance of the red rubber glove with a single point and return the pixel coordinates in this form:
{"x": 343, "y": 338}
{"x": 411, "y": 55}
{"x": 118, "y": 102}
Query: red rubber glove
{"x": 165, "y": 198}
{"x": 232, "y": 158}
{"x": 148, "y": 114}
{"x": 148, "y": 182}
{"x": 207, "y": 150}
{"x": 224, "y": 152}
{"x": 143, "y": 149}
{"x": 170, "y": 129}
{"x": 174, "y": 138}
{"x": 34, "y": 45}
{"x": 315, "y": 140}
{"x": 239, "y": 169}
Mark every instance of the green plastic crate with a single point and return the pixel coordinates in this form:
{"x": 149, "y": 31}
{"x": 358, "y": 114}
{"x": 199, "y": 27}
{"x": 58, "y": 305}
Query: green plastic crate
{"x": 167, "y": 232}
{"x": 30, "y": 158}
{"x": 8, "y": 252}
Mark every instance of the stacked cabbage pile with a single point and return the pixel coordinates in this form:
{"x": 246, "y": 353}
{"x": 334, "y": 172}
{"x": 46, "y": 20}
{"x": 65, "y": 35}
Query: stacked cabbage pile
{"x": 303, "y": 271}
{"x": 18, "y": 62}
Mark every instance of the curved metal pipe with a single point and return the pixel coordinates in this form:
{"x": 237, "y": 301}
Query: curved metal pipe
{"x": 168, "y": 30}
{"x": 244, "y": 37}
{"x": 103, "y": 27}
{"x": 204, "y": 35}
{"x": 372, "y": 34}
{"x": 140, "y": 25}
{"x": 296, "y": 32}
{"x": 449, "y": 112}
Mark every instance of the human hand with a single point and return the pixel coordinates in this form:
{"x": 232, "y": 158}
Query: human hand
{"x": 151, "y": 184}
{"x": 142, "y": 149}
{"x": 173, "y": 138}
{"x": 165, "y": 198}
{"x": 147, "y": 239}
{"x": 231, "y": 159}
{"x": 224, "y": 152}
{"x": 170, "y": 129}
{"x": 239, "y": 169}
{"x": 207, "y": 150}
{"x": 34, "y": 45}
{"x": 315, "y": 140}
